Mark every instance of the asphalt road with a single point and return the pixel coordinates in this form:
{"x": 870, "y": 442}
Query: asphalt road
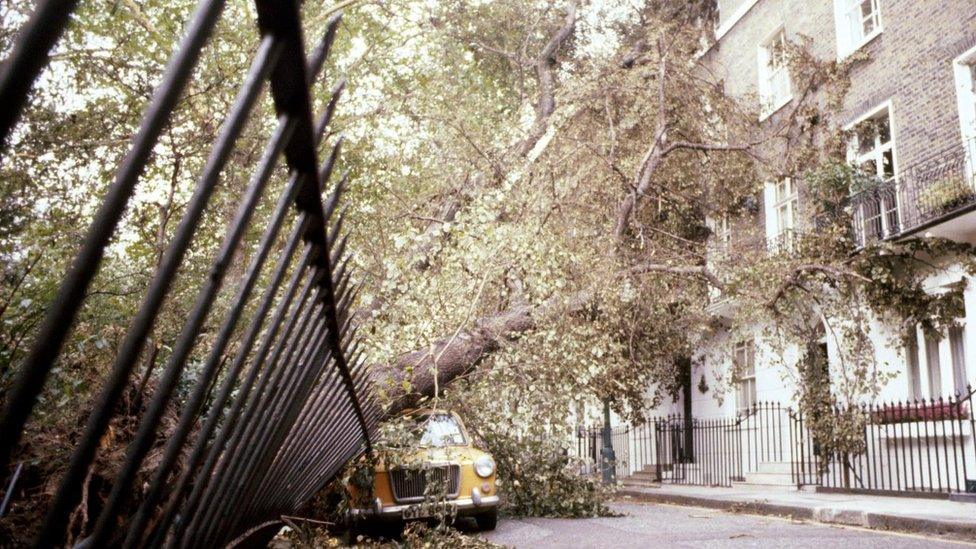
{"x": 656, "y": 525}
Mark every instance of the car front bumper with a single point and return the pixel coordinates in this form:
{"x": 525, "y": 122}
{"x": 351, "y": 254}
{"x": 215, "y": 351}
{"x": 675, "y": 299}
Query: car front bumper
{"x": 468, "y": 506}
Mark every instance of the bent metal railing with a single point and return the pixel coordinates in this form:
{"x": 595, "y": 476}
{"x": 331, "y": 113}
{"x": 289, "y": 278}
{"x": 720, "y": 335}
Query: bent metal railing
{"x": 293, "y": 404}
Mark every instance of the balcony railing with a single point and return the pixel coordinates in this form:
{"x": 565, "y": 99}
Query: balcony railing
{"x": 934, "y": 190}
{"x": 875, "y": 213}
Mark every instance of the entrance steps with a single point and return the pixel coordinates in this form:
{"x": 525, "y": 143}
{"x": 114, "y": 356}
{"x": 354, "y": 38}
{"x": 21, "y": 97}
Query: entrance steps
{"x": 645, "y": 478}
{"x": 771, "y": 475}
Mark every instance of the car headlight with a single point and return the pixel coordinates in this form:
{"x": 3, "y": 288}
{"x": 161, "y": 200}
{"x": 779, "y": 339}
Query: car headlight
{"x": 484, "y": 466}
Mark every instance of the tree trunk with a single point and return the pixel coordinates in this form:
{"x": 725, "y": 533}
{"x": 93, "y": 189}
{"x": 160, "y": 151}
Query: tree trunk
{"x": 411, "y": 377}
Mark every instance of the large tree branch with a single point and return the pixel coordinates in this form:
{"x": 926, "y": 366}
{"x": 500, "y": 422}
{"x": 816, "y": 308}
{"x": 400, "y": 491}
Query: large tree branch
{"x": 652, "y": 157}
{"x": 695, "y": 270}
{"x": 545, "y": 64}
{"x": 795, "y": 278}
{"x": 411, "y": 376}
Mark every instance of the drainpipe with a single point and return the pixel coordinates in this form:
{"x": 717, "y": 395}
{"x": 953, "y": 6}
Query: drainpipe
{"x": 607, "y": 454}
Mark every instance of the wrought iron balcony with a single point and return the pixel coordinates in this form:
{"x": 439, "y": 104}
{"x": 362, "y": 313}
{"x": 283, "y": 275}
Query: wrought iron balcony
{"x": 927, "y": 194}
{"x": 939, "y": 188}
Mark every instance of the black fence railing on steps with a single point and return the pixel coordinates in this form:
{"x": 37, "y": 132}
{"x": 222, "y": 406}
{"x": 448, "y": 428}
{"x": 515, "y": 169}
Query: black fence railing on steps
{"x": 281, "y": 400}
{"x": 925, "y": 446}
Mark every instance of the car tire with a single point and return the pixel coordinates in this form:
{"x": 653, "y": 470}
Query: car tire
{"x": 355, "y": 528}
{"x": 487, "y": 521}
{"x": 352, "y": 533}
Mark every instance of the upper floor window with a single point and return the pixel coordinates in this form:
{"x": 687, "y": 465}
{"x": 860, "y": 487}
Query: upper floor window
{"x": 858, "y": 21}
{"x": 774, "y": 74}
{"x": 722, "y": 229}
{"x": 782, "y": 215}
{"x": 964, "y": 68}
{"x": 744, "y": 358}
{"x": 873, "y": 150}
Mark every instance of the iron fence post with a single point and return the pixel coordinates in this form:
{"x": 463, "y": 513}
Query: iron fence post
{"x": 607, "y": 456}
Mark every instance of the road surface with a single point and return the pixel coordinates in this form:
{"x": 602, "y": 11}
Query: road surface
{"x": 672, "y": 527}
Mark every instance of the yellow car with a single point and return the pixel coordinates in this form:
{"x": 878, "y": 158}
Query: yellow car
{"x": 446, "y": 477}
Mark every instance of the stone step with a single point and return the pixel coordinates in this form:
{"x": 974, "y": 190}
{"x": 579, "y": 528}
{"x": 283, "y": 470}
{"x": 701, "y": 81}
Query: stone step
{"x": 760, "y": 488}
{"x": 782, "y": 467}
{"x": 775, "y": 479}
{"x": 630, "y": 482}
{"x": 644, "y": 475}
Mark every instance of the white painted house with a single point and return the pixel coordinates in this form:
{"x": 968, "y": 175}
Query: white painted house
{"x": 918, "y": 91}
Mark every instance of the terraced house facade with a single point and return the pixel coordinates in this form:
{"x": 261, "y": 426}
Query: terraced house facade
{"x": 911, "y": 107}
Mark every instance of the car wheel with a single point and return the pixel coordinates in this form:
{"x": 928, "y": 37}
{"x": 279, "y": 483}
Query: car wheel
{"x": 356, "y": 527}
{"x": 353, "y": 532}
{"x": 487, "y": 521}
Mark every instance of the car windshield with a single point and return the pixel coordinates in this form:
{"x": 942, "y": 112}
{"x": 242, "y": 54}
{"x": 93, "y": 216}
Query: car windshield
{"x": 440, "y": 430}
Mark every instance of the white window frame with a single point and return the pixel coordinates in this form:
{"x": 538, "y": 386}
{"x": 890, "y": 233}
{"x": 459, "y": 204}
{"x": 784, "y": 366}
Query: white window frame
{"x": 782, "y": 214}
{"x": 957, "y": 354}
{"x": 722, "y": 231}
{"x": 775, "y": 86}
{"x": 913, "y": 368}
{"x": 746, "y": 381}
{"x": 876, "y": 154}
{"x": 855, "y": 158}
{"x": 849, "y": 25}
{"x": 942, "y": 359}
{"x": 933, "y": 366}
{"x": 964, "y": 70}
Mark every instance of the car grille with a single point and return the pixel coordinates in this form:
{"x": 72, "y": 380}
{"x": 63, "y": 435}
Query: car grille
{"x": 411, "y": 484}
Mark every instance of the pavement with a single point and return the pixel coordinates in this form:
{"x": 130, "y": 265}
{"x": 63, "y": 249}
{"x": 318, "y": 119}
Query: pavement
{"x": 940, "y": 517}
{"x": 649, "y": 525}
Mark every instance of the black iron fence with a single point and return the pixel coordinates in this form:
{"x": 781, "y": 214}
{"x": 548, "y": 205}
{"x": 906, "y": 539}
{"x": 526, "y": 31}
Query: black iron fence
{"x": 258, "y": 438}
{"x": 922, "y": 446}
{"x": 589, "y": 443}
{"x": 682, "y": 450}
{"x": 937, "y": 188}
{"x": 919, "y": 446}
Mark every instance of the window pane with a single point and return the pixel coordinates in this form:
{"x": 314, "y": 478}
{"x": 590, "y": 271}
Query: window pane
{"x": 866, "y": 8}
{"x": 958, "y": 359}
{"x": 914, "y": 374}
{"x": 868, "y": 26}
{"x": 935, "y": 372}
{"x": 865, "y": 137}
{"x": 441, "y": 430}
{"x": 869, "y": 167}
{"x": 884, "y": 129}
{"x": 888, "y": 164}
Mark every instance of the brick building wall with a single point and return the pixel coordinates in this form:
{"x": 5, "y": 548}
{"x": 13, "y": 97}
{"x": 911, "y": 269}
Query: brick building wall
{"x": 910, "y": 62}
